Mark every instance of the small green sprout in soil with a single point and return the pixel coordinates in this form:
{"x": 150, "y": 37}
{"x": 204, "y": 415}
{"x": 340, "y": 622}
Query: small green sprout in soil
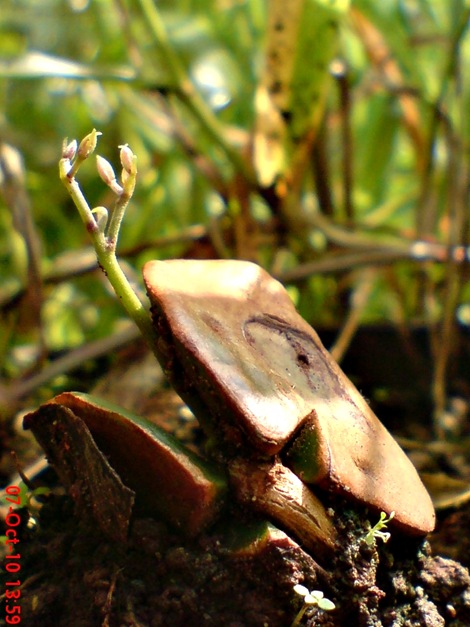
{"x": 376, "y": 531}
{"x": 311, "y": 597}
{"x": 24, "y": 497}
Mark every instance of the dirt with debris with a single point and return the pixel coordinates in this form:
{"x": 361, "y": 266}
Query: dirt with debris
{"x": 74, "y": 576}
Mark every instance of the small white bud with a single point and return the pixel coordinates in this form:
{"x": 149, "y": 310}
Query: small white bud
{"x": 69, "y": 150}
{"x": 127, "y": 159}
{"x": 105, "y": 170}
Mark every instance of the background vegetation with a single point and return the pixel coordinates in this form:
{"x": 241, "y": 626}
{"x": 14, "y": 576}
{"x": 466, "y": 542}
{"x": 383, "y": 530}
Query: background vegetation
{"x": 367, "y": 223}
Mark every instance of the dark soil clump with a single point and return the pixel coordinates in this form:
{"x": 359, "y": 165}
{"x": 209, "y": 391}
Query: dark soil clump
{"x": 74, "y": 576}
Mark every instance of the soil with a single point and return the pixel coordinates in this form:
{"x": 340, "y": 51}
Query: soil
{"x": 73, "y": 575}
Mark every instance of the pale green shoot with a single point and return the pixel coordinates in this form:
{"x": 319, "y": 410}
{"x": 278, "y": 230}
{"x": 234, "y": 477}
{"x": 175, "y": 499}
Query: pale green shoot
{"x": 103, "y": 225}
{"x": 311, "y": 598}
{"x": 376, "y": 531}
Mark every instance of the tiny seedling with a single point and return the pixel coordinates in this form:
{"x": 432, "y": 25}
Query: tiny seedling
{"x": 25, "y": 497}
{"x": 376, "y": 531}
{"x": 311, "y": 598}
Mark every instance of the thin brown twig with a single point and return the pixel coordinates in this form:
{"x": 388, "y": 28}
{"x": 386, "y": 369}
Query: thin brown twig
{"x": 14, "y": 391}
{"x": 321, "y": 172}
{"x": 78, "y": 263}
{"x": 358, "y": 302}
{"x": 341, "y": 75}
{"x": 458, "y": 222}
{"x": 426, "y": 217}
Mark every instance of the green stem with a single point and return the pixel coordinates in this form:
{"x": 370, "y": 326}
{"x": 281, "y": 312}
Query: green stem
{"x": 107, "y": 257}
{"x": 67, "y": 176}
{"x": 299, "y": 616}
{"x": 187, "y": 92}
{"x": 112, "y": 232}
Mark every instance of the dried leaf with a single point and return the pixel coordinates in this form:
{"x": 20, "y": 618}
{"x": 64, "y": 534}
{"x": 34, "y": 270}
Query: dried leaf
{"x": 169, "y": 481}
{"x": 92, "y": 483}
